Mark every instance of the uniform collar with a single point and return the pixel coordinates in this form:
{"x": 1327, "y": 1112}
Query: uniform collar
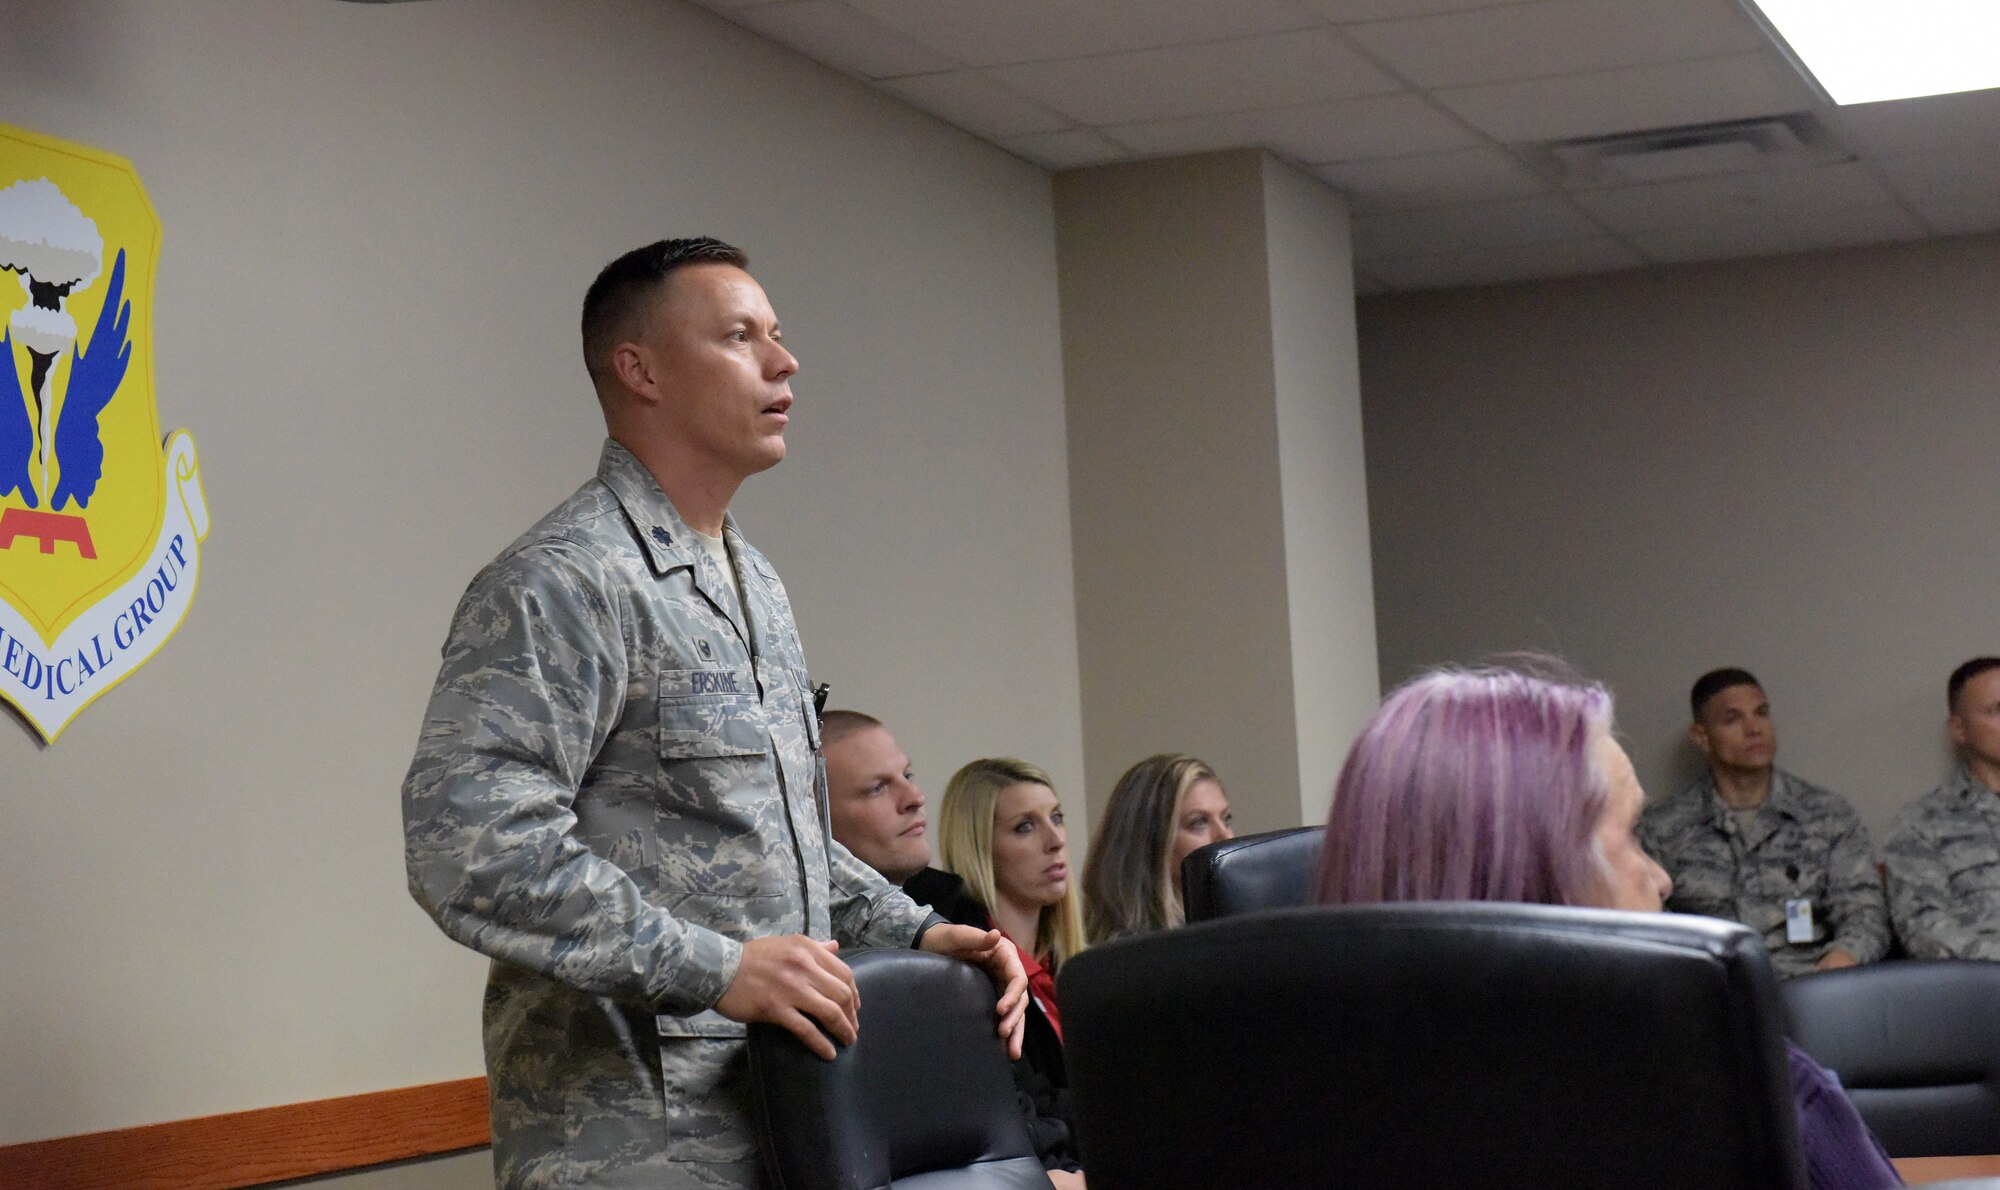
{"x": 1968, "y": 787}
{"x": 1783, "y": 798}
{"x": 668, "y": 542}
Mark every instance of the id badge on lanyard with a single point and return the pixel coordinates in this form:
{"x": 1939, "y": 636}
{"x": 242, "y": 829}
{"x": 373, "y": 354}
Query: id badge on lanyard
{"x": 1799, "y": 920}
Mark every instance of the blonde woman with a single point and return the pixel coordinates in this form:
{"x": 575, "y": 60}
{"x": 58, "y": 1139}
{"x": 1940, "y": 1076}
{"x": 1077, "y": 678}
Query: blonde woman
{"x": 1162, "y": 808}
{"x": 1000, "y": 829}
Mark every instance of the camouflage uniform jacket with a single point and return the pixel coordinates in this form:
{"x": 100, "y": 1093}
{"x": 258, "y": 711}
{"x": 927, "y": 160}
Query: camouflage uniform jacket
{"x": 1804, "y": 843}
{"x": 1943, "y": 856}
{"x": 617, "y": 783}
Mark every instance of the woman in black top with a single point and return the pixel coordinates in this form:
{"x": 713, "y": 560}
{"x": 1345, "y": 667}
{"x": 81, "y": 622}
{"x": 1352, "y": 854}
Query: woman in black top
{"x": 1000, "y": 830}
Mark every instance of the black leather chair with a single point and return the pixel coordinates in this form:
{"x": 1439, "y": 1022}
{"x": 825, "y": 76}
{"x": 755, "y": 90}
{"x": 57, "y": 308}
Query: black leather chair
{"x": 1917, "y": 1045}
{"x": 1432, "y": 1045}
{"x": 1268, "y": 871}
{"x": 923, "y": 1100}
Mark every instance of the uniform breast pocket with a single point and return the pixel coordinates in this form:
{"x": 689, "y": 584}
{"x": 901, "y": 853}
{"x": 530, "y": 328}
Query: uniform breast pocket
{"x": 1975, "y": 870}
{"x": 720, "y": 821}
{"x": 710, "y": 713}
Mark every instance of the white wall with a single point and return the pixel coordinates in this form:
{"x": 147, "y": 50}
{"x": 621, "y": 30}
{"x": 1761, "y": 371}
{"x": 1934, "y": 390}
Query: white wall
{"x": 1783, "y": 464}
{"x": 379, "y": 222}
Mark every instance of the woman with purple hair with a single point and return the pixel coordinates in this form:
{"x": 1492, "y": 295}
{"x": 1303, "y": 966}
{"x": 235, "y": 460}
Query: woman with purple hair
{"x": 1494, "y": 785}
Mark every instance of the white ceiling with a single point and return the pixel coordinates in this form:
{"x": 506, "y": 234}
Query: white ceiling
{"x": 1421, "y": 112}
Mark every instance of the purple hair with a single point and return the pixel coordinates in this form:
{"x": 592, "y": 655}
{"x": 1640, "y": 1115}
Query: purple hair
{"x": 1472, "y": 786}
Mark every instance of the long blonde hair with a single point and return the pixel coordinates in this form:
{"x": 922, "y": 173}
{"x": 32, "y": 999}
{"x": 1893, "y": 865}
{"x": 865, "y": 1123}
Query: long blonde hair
{"x": 1128, "y": 881}
{"x": 965, "y": 847}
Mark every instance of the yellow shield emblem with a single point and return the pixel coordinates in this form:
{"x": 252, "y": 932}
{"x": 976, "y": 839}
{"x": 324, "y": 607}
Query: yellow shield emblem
{"x": 100, "y": 525}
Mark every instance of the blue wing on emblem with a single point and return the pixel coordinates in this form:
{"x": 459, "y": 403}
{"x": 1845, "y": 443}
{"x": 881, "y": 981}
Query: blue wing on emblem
{"x": 94, "y": 376}
{"x": 17, "y": 433}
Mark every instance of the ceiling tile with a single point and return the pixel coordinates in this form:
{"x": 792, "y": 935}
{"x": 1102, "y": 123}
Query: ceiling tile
{"x": 1351, "y": 11}
{"x": 1773, "y": 234}
{"x": 1693, "y": 202}
{"x": 1632, "y": 99}
{"x": 1521, "y": 262}
{"x": 1931, "y": 122}
{"x": 1945, "y": 173}
{"x": 1191, "y": 80}
{"x": 1380, "y": 126}
{"x": 1069, "y": 149}
{"x": 1962, "y": 216}
{"x": 978, "y": 104}
{"x": 1540, "y": 219}
{"x": 831, "y": 32}
{"x": 990, "y": 33}
{"x": 1430, "y": 180}
{"x": 1554, "y": 37}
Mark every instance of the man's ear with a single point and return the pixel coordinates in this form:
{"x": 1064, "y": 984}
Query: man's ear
{"x": 1956, "y": 726}
{"x": 633, "y": 365}
{"x": 1698, "y": 736}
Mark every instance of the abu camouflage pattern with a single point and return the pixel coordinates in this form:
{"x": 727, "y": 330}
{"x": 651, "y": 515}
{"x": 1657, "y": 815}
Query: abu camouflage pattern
{"x": 617, "y": 783}
{"x": 1943, "y": 858}
{"x": 1804, "y": 844}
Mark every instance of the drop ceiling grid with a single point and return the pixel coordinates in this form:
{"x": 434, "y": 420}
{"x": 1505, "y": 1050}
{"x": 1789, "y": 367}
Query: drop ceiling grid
{"x": 1421, "y": 99}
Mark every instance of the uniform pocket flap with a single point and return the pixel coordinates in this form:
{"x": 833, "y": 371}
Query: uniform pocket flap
{"x": 707, "y": 1023}
{"x": 710, "y": 713}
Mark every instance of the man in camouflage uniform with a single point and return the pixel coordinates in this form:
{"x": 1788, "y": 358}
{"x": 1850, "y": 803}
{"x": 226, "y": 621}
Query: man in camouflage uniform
{"x": 1943, "y": 852}
{"x": 617, "y": 793}
{"x": 1752, "y": 843}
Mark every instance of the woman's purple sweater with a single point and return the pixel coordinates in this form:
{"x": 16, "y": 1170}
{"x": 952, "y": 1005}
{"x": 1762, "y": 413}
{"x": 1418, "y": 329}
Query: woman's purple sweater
{"x": 1841, "y": 1153}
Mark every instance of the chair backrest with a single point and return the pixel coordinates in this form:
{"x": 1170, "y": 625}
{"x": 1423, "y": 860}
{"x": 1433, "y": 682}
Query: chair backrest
{"x": 923, "y": 1099}
{"x": 1268, "y": 871}
{"x": 1379, "y": 1046}
{"x": 1917, "y": 1045}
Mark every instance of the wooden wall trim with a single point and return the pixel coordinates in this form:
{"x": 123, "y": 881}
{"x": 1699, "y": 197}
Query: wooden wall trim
{"x": 253, "y": 1148}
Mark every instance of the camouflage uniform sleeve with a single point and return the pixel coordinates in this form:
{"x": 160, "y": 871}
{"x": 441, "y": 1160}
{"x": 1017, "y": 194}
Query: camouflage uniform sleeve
{"x": 1932, "y": 923}
{"x": 533, "y": 683}
{"x": 1857, "y": 917}
{"x": 867, "y": 910}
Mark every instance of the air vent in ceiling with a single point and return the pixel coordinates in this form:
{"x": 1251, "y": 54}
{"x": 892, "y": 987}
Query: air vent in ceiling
{"x": 1691, "y": 151}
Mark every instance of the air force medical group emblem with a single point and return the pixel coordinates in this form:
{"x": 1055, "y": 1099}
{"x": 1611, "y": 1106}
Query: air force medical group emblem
{"x": 100, "y": 526}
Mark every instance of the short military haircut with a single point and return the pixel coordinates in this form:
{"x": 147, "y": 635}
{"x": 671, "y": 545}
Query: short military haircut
{"x": 626, "y": 288}
{"x": 1963, "y": 674}
{"x": 835, "y": 726}
{"x": 1714, "y": 682}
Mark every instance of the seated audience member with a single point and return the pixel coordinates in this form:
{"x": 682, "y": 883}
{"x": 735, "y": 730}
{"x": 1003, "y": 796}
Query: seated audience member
{"x": 1000, "y": 829}
{"x": 1491, "y": 785}
{"x": 1162, "y": 808}
{"x": 878, "y": 814}
{"x": 1943, "y": 851}
{"x": 1750, "y": 842}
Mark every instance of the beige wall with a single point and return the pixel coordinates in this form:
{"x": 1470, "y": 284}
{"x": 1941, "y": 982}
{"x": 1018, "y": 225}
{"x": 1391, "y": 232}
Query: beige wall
{"x": 1215, "y": 466}
{"x": 1322, "y": 472}
{"x": 379, "y": 222}
{"x": 1176, "y": 509}
{"x": 1783, "y": 464}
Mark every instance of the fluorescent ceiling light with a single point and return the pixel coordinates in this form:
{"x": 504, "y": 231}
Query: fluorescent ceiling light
{"x": 1861, "y": 51}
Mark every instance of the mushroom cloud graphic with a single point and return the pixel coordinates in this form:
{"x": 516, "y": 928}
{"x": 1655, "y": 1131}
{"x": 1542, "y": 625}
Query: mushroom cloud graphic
{"x": 54, "y": 249}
